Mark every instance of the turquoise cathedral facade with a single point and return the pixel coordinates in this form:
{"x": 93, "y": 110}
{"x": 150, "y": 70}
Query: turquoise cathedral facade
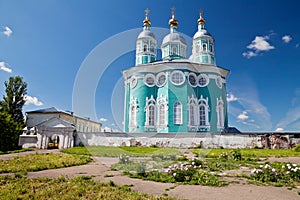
{"x": 176, "y": 93}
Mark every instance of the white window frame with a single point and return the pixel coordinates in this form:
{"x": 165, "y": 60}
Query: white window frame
{"x": 150, "y": 102}
{"x": 178, "y": 74}
{"x": 133, "y": 105}
{"x": 193, "y": 104}
{"x": 177, "y": 113}
{"x": 203, "y": 102}
{"x": 220, "y": 113}
{"x": 149, "y": 76}
{"x": 157, "y": 79}
{"x": 162, "y": 100}
{"x": 205, "y": 77}
{"x": 133, "y": 82}
{"x": 219, "y": 82}
{"x": 196, "y": 79}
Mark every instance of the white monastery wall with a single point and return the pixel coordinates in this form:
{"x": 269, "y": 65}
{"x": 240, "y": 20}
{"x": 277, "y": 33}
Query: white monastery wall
{"x": 169, "y": 140}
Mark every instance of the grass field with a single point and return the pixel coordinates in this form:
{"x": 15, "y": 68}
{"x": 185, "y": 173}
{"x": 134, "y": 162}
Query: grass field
{"x": 37, "y": 162}
{"x": 252, "y": 153}
{"x": 63, "y": 188}
{"x": 116, "y": 151}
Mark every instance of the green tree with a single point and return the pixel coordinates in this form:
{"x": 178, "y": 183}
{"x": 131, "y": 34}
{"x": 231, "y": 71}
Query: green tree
{"x": 9, "y": 132}
{"x": 14, "y": 100}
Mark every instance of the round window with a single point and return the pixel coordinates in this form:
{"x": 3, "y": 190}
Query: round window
{"x": 161, "y": 79}
{"x": 193, "y": 79}
{"x": 149, "y": 80}
{"x": 203, "y": 80}
{"x": 219, "y": 82}
{"x": 133, "y": 82}
{"x": 177, "y": 77}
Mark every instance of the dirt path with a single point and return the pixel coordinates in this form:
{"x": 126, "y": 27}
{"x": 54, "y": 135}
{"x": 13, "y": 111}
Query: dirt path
{"x": 100, "y": 168}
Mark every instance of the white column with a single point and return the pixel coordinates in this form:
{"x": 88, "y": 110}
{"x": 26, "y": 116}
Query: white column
{"x": 61, "y": 141}
{"x": 66, "y": 141}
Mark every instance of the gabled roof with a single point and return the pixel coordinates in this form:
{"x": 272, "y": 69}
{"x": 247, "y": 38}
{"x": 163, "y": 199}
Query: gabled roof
{"x": 47, "y": 110}
{"x": 55, "y": 122}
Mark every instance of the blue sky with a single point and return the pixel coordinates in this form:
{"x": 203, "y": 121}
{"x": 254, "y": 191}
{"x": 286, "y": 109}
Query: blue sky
{"x": 47, "y": 43}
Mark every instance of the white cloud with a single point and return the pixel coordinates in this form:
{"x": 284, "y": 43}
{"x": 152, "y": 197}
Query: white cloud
{"x": 249, "y": 54}
{"x": 259, "y": 44}
{"x": 33, "y": 100}
{"x": 243, "y": 116}
{"x": 102, "y": 119}
{"x": 279, "y": 129}
{"x": 5, "y": 68}
{"x": 7, "y": 31}
{"x": 297, "y": 45}
{"x": 230, "y": 97}
{"x": 287, "y": 38}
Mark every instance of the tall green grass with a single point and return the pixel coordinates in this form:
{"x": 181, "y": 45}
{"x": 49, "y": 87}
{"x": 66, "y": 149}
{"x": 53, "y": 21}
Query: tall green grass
{"x": 252, "y": 153}
{"x": 63, "y": 188}
{"x": 37, "y": 162}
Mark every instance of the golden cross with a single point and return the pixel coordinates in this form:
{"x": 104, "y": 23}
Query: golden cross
{"x": 147, "y": 12}
{"x": 173, "y": 10}
{"x": 200, "y": 12}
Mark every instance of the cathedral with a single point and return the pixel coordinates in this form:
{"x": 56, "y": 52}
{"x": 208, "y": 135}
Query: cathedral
{"x": 175, "y": 93}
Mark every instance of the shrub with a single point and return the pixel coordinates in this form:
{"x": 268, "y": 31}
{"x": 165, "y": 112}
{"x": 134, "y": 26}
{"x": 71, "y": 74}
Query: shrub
{"x": 236, "y": 154}
{"x": 123, "y": 159}
{"x": 224, "y": 156}
{"x": 297, "y": 148}
{"x": 141, "y": 169}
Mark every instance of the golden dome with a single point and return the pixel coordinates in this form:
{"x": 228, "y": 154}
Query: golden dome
{"x": 201, "y": 20}
{"x": 146, "y": 21}
{"x": 173, "y": 21}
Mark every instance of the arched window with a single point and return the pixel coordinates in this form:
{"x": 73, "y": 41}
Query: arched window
{"x": 150, "y": 110}
{"x": 151, "y": 115}
{"x": 204, "y": 47}
{"x": 177, "y": 113}
{"x": 132, "y": 121}
{"x": 145, "y": 47}
{"x": 220, "y": 113}
{"x": 162, "y": 106}
{"x": 192, "y": 115}
{"x": 162, "y": 115}
{"x": 192, "y": 106}
{"x": 203, "y": 109}
{"x": 133, "y": 109}
{"x": 202, "y": 115}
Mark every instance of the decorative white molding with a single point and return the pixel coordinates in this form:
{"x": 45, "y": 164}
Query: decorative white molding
{"x": 150, "y": 103}
{"x": 162, "y": 101}
{"x": 133, "y": 109}
{"x": 177, "y": 74}
{"x": 158, "y": 76}
{"x": 149, "y": 77}
{"x": 220, "y": 114}
{"x": 177, "y": 119}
